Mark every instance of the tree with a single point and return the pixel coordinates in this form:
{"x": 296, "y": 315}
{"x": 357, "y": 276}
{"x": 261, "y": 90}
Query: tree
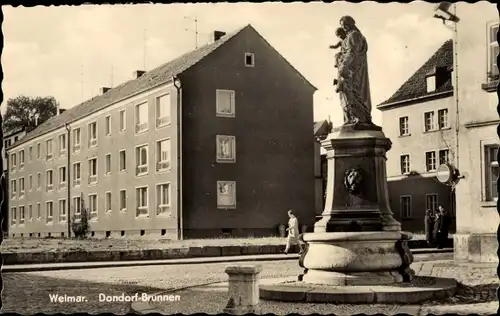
{"x": 22, "y": 112}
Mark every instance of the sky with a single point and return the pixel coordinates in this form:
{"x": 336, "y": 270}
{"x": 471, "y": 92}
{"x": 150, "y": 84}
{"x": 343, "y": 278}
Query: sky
{"x": 69, "y": 52}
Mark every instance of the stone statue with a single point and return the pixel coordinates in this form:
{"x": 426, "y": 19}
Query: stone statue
{"x": 353, "y": 180}
{"x": 352, "y": 83}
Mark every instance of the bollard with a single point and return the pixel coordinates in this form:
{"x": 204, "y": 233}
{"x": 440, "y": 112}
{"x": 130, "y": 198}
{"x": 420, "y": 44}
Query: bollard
{"x": 243, "y": 289}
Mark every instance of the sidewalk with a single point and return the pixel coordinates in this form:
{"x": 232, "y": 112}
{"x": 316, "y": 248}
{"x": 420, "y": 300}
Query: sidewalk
{"x": 476, "y": 294}
{"x": 419, "y": 254}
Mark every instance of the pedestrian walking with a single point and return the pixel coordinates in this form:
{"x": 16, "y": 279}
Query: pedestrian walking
{"x": 293, "y": 232}
{"x": 444, "y": 227}
{"x": 429, "y": 226}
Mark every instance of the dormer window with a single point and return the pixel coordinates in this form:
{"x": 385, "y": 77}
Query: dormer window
{"x": 437, "y": 78}
{"x": 431, "y": 83}
{"x": 249, "y": 60}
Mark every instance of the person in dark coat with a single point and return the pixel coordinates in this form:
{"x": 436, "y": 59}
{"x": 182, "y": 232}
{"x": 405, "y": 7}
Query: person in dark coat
{"x": 444, "y": 227}
{"x": 429, "y": 226}
{"x": 436, "y": 225}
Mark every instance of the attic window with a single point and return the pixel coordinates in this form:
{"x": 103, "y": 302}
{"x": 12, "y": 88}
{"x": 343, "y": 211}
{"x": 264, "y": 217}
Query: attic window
{"x": 249, "y": 60}
{"x": 431, "y": 83}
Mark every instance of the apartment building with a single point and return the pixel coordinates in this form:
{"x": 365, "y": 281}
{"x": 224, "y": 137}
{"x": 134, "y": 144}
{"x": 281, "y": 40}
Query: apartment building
{"x": 477, "y": 80}
{"x": 419, "y": 118}
{"x": 215, "y": 142}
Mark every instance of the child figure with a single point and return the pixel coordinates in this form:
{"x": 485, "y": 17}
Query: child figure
{"x": 341, "y": 34}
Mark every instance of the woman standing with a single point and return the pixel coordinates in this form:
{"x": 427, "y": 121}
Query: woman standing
{"x": 437, "y": 226}
{"x": 429, "y": 227}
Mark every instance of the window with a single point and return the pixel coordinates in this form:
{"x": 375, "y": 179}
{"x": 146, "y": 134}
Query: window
{"x": 14, "y": 215}
{"x": 92, "y": 170}
{"x": 249, "y": 60}
{"x": 21, "y": 215}
{"x": 163, "y": 158}
{"x": 50, "y": 180}
{"x": 13, "y": 161}
{"x": 431, "y": 202}
{"x": 123, "y": 200}
{"x": 30, "y": 182}
{"x": 108, "y": 125}
{"x": 38, "y": 151}
{"x": 226, "y": 148}
{"x": 107, "y": 206}
{"x": 431, "y": 83}
{"x": 107, "y": 166}
{"x": 49, "y": 149}
{"x": 93, "y": 206}
{"x": 49, "y": 209}
{"x": 13, "y": 189}
{"x": 62, "y": 210}
{"x": 141, "y": 158}
{"x": 123, "y": 120}
{"x": 226, "y": 194}
{"x": 444, "y": 156}
{"x": 77, "y": 205}
{"x": 30, "y": 212}
{"x": 430, "y": 161}
{"x": 163, "y": 199}
{"x": 30, "y": 153}
{"x": 493, "y": 50}
{"x": 123, "y": 161}
{"x": 93, "y": 134}
{"x": 142, "y": 201}
{"x": 21, "y": 159}
{"x": 38, "y": 210}
{"x": 492, "y": 172}
{"x": 225, "y": 101}
{"x": 62, "y": 177}
{"x": 141, "y": 117}
{"x": 443, "y": 118}
{"x": 21, "y": 187}
{"x": 163, "y": 108}
{"x": 62, "y": 144}
{"x": 403, "y": 126}
{"x": 76, "y": 140}
{"x": 77, "y": 174}
{"x": 429, "y": 121}
{"x": 405, "y": 164}
{"x": 405, "y": 207}
{"x": 39, "y": 181}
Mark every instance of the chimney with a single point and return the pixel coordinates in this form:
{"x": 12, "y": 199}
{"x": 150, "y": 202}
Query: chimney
{"x": 57, "y": 109}
{"x": 105, "y": 89}
{"x": 218, "y": 35}
{"x": 138, "y": 73}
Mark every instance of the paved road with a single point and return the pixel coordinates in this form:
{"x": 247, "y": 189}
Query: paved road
{"x": 29, "y": 292}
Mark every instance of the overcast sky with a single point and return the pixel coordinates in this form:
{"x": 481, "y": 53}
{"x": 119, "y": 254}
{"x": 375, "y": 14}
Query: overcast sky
{"x": 49, "y": 51}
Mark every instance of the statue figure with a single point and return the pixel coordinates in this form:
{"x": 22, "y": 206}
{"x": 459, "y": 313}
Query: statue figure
{"x": 352, "y": 84}
{"x": 353, "y": 180}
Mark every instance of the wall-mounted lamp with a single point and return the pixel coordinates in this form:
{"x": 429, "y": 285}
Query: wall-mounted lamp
{"x": 442, "y": 12}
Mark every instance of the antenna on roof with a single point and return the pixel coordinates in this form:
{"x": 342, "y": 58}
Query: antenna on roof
{"x": 195, "y": 20}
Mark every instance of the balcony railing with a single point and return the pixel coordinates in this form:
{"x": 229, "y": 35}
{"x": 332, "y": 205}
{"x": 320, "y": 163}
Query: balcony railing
{"x": 93, "y": 142}
{"x": 77, "y": 182}
{"x": 92, "y": 179}
{"x": 140, "y": 170}
{"x": 141, "y": 127}
{"x": 162, "y": 121}
{"x": 163, "y": 165}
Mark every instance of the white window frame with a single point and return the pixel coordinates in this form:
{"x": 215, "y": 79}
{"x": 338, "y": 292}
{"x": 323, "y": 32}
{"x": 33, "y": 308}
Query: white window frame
{"x": 447, "y": 156}
{"x": 13, "y": 188}
{"x": 93, "y": 177}
{"x": 62, "y": 145}
{"x": 107, "y": 164}
{"x": 49, "y": 187}
{"x": 38, "y": 151}
{"x": 77, "y": 139}
{"x": 63, "y": 184}
{"x": 252, "y": 64}
{"x": 13, "y": 213}
{"x": 141, "y": 167}
{"x": 77, "y": 206}
{"x": 49, "y": 216}
{"x": 141, "y": 127}
{"x": 63, "y": 214}
{"x": 164, "y": 120}
{"x": 13, "y": 161}
{"x": 77, "y": 180}
{"x": 401, "y": 163}
{"x": 108, "y": 204}
{"x": 430, "y": 83}
{"x": 404, "y": 126}
{"x": 428, "y": 201}
{"x": 50, "y": 149}
{"x": 489, "y": 191}
{"x": 432, "y": 126}
{"x": 403, "y": 214}
{"x": 21, "y": 159}
{"x": 123, "y": 209}
{"x": 232, "y": 140}
{"x": 440, "y": 119}
{"x": 92, "y": 139}
{"x": 233, "y": 103}
{"x": 30, "y": 153}
{"x": 490, "y": 45}
{"x": 107, "y": 125}
{"x": 220, "y": 202}
{"x": 39, "y": 181}
{"x": 428, "y": 164}
{"x": 22, "y": 188}
{"x": 141, "y": 210}
{"x": 30, "y": 182}
{"x": 22, "y": 215}
{"x": 30, "y": 212}
{"x": 38, "y": 210}
{"x": 163, "y": 209}
{"x": 93, "y": 212}
{"x": 161, "y": 164}
{"x": 123, "y": 127}
{"x": 124, "y": 160}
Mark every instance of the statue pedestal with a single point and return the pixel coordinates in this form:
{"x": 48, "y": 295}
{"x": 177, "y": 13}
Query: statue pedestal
{"x": 357, "y": 241}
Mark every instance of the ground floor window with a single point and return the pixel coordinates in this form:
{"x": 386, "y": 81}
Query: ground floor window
{"x": 405, "y": 206}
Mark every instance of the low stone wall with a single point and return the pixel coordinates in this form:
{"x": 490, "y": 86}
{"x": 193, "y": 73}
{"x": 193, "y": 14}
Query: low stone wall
{"x": 31, "y": 257}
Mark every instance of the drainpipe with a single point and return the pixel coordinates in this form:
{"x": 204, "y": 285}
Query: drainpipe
{"x": 455, "y": 92}
{"x": 68, "y": 183}
{"x": 180, "y": 224}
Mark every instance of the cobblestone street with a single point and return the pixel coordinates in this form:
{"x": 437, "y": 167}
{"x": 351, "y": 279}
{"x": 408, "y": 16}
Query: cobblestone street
{"x": 28, "y": 293}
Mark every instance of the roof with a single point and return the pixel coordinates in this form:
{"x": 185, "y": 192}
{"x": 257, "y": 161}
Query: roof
{"x": 12, "y": 132}
{"x": 416, "y": 86}
{"x": 321, "y": 128}
{"x": 148, "y": 80}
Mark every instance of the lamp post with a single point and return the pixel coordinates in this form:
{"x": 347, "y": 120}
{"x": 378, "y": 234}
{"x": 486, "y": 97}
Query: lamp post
{"x": 178, "y": 86}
